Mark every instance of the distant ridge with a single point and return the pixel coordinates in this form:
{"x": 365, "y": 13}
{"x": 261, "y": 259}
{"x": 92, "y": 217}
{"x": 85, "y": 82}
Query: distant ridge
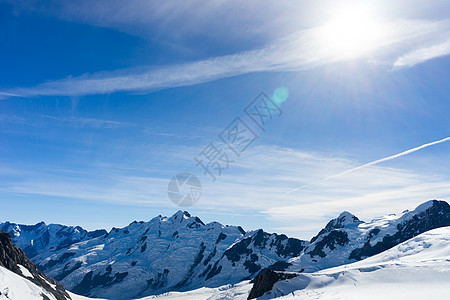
{"x": 183, "y": 253}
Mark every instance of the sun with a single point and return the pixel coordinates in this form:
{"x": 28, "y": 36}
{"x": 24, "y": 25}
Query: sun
{"x": 351, "y": 32}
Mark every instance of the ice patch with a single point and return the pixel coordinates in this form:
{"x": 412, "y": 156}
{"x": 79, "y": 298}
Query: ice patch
{"x": 25, "y": 271}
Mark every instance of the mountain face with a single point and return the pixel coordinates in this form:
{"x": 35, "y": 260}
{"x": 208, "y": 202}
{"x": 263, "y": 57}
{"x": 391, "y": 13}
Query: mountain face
{"x": 254, "y": 252}
{"x": 418, "y": 268}
{"x": 19, "y": 277}
{"x": 164, "y": 254}
{"x": 34, "y": 239}
{"x": 347, "y": 239}
{"x": 182, "y": 253}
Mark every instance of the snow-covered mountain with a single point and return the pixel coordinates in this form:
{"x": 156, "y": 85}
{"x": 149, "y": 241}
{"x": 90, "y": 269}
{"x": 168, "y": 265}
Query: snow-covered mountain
{"x": 164, "y": 254}
{"x": 34, "y": 239}
{"x": 346, "y": 239}
{"x": 255, "y": 251}
{"x": 20, "y": 279}
{"x": 415, "y": 270}
{"x": 182, "y": 253}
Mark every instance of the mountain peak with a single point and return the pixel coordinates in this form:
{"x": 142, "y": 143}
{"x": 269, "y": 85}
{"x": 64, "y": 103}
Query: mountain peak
{"x": 430, "y": 203}
{"x": 344, "y": 219}
{"x": 185, "y": 218}
{"x": 434, "y": 207}
{"x": 181, "y": 214}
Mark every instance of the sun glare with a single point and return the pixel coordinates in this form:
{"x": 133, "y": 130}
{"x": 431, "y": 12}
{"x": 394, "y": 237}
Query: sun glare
{"x": 351, "y": 32}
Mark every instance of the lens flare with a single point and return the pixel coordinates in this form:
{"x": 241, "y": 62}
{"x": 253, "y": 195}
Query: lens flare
{"x": 280, "y": 95}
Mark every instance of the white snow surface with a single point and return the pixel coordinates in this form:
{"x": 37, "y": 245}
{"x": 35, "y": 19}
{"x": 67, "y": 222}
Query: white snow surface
{"x": 226, "y": 292}
{"x": 41, "y": 237}
{"x": 415, "y": 270}
{"x": 136, "y": 251}
{"x": 15, "y": 287}
{"x": 25, "y": 271}
{"x": 358, "y": 234}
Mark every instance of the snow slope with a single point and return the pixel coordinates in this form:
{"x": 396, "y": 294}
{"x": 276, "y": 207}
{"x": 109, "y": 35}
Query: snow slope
{"x": 416, "y": 269}
{"x": 182, "y": 253}
{"x": 165, "y": 254}
{"x": 19, "y": 277}
{"x": 38, "y": 238}
{"x": 346, "y": 239}
{"x": 15, "y": 287}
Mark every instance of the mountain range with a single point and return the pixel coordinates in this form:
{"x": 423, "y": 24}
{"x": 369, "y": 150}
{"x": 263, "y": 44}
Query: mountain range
{"x": 181, "y": 253}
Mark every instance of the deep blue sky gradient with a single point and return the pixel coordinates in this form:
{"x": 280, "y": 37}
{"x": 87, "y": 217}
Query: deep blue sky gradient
{"x": 354, "y": 110}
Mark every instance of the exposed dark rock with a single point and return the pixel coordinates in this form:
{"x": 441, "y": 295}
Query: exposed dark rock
{"x": 265, "y": 280}
{"x": 221, "y": 237}
{"x": 11, "y": 256}
{"x": 51, "y": 263}
{"x": 237, "y": 250}
{"x": 343, "y": 219}
{"x": 293, "y": 247}
{"x": 210, "y": 256}
{"x": 91, "y": 281}
{"x": 96, "y": 233}
{"x": 196, "y": 223}
{"x": 334, "y": 238}
{"x": 241, "y": 230}
{"x": 437, "y": 215}
{"x": 161, "y": 280}
{"x": 197, "y": 261}
{"x": 215, "y": 270}
{"x": 67, "y": 270}
{"x": 144, "y": 247}
{"x": 279, "y": 266}
{"x": 250, "y": 264}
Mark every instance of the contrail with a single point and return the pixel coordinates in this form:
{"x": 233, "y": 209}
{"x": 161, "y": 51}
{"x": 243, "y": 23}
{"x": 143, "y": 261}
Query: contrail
{"x": 374, "y": 163}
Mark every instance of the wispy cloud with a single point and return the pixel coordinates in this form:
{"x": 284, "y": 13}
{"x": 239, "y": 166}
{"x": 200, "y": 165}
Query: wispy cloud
{"x": 376, "y": 162}
{"x": 423, "y": 54}
{"x": 88, "y": 122}
{"x": 7, "y": 95}
{"x": 267, "y": 172}
{"x": 298, "y": 51}
{"x": 257, "y": 183}
{"x": 11, "y": 118}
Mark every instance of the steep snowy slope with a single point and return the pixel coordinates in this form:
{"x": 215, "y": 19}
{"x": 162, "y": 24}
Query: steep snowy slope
{"x": 254, "y": 252}
{"x": 13, "y": 286}
{"x": 182, "y": 253}
{"x": 347, "y": 239}
{"x": 164, "y": 254}
{"x": 34, "y": 239}
{"x": 19, "y": 277}
{"x": 416, "y": 269}
{"x": 143, "y": 257}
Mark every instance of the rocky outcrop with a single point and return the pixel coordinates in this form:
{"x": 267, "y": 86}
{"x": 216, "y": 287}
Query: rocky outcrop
{"x": 14, "y": 259}
{"x": 265, "y": 280}
{"x": 258, "y": 251}
{"x": 430, "y": 215}
{"x": 181, "y": 252}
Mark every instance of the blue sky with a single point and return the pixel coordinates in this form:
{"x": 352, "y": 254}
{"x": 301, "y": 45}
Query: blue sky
{"x": 101, "y": 104}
